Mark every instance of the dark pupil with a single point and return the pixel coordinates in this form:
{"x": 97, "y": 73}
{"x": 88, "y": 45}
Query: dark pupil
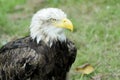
{"x": 53, "y": 19}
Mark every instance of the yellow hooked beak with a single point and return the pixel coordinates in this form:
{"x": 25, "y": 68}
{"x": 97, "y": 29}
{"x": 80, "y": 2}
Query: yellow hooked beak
{"x": 65, "y": 23}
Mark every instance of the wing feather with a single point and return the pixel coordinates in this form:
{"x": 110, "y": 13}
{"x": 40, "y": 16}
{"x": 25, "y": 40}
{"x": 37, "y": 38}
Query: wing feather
{"x": 24, "y": 59}
{"x": 20, "y": 62}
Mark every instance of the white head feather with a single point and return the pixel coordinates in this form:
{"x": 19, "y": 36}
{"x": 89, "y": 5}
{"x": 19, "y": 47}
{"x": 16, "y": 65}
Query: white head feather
{"x": 41, "y": 29}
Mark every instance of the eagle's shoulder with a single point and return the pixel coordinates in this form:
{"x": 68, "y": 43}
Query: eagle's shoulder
{"x": 71, "y": 46}
{"x": 19, "y": 43}
{"x": 72, "y": 51}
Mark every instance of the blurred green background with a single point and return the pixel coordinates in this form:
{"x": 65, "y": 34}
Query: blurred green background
{"x": 96, "y": 33}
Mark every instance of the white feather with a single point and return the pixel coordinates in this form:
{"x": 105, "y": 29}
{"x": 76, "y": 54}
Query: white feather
{"x": 43, "y": 31}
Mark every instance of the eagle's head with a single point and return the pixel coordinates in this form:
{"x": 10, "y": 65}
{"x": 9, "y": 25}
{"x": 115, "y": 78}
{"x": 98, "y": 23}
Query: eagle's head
{"x": 48, "y": 25}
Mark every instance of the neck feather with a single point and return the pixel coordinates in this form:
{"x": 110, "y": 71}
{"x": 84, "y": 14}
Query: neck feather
{"x": 47, "y": 34}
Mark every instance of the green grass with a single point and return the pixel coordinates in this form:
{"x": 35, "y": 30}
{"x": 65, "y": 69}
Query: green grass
{"x": 96, "y": 33}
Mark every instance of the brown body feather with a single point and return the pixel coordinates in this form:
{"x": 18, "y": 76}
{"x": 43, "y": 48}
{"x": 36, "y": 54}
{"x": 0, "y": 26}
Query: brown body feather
{"x": 24, "y": 59}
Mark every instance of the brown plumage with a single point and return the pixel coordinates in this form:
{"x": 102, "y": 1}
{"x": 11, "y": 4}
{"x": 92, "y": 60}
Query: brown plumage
{"x": 24, "y": 59}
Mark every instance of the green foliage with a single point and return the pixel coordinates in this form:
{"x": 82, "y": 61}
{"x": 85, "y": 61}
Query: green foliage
{"x": 7, "y": 6}
{"x": 96, "y": 33}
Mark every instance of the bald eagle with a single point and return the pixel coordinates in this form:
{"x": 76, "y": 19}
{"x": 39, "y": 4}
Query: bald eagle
{"x": 44, "y": 55}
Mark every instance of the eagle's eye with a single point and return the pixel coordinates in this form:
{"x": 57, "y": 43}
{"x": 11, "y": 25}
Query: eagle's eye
{"x": 52, "y": 19}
